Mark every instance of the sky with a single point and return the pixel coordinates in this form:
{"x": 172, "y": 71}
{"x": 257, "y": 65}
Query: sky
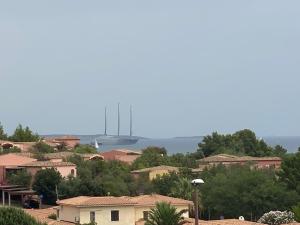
{"x": 187, "y": 67}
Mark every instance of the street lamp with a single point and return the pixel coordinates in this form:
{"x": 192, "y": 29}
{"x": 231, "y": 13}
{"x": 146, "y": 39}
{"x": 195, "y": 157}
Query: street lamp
{"x": 196, "y": 183}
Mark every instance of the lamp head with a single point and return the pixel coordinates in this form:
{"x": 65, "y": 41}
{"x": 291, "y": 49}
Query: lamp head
{"x": 197, "y": 182}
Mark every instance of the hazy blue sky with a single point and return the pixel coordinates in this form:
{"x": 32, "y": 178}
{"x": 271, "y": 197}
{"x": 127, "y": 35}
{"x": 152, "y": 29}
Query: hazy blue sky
{"x": 187, "y": 67}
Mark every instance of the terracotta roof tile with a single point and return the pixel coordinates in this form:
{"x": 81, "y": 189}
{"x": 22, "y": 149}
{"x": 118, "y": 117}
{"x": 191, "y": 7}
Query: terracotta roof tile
{"x": 143, "y": 200}
{"x": 85, "y": 201}
{"x": 169, "y": 168}
{"x": 14, "y": 160}
{"x": 42, "y": 216}
{"x": 233, "y": 158}
{"x": 151, "y": 200}
{"x": 47, "y": 164}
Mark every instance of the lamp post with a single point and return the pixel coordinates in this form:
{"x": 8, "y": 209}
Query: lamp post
{"x": 196, "y": 183}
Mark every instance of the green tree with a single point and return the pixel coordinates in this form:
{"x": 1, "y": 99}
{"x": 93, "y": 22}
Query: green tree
{"x": 242, "y": 142}
{"x": 296, "y": 211}
{"x": 83, "y": 149}
{"x": 21, "y": 177}
{"x": 14, "y": 216}
{"x": 279, "y": 150}
{"x": 164, "y": 184}
{"x": 42, "y": 147}
{"x": 165, "y": 214}
{"x": 182, "y": 189}
{"x": 154, "y": 149}
{"x": 290, "y": 171}
{"x": 151, "y": 157}
{"x": 249, "y": 192}
{"x": 45, "y": 183}
{"x": 24, "y": 135}
{"x": 3, "y": 135}
{"x": 9, "y": 150}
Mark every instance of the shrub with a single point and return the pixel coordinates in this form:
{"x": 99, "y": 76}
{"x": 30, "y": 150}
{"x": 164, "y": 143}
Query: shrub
{"x": 21, "y": 177}
{"x": 296, "y": 211}
{"x": 14, "y": 216}
{"x": 277, "y": 218}
{"x": 52, "y": 216}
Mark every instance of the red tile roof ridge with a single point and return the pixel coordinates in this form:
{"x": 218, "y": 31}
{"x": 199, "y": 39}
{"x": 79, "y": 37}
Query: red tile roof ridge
{"x": 161, "y": 167}
{"x": 142, "y": 200}
{"x": 47, "y": 164}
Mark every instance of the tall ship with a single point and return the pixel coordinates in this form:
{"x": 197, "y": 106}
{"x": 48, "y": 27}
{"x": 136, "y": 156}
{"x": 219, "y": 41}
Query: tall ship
{"x": 118, "y": 139}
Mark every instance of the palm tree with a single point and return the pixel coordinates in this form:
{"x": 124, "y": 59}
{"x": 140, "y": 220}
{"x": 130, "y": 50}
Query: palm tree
{"x": 165, "y": 214}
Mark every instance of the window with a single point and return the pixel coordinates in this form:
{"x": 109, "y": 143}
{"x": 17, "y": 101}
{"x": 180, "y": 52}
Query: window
{"x": 72, "y": 172}
{"x": 145, "y": 215}
{"x": 92, "y": 216}
{"x": 115, "y": 215}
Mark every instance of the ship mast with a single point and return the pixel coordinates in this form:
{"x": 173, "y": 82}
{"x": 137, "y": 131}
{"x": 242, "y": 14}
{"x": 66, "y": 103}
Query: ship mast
{"x": 118, "y": 119}
{"x": 105, "y": 121}
{"x": 130, "y": 133}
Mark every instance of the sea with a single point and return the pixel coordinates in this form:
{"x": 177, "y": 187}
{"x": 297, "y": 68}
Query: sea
{"x": 187, "y": 144}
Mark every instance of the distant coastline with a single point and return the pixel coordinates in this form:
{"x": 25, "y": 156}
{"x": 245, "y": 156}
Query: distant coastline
{"x": 183, "y": 144}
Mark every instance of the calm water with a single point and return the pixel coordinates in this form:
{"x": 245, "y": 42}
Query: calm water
{"x": 188, "y": 144}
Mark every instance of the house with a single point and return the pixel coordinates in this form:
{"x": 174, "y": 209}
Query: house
{"x": 113, "y": 210}
{"x": 61, "y": 156}
{"x": 24, "y": 146}
{"x": 123, "y": 155}
{"x": 153, "y": 172}
{"x": 69, "y": 141}
{"x": 11, "y": 162}
{"x": 42, "y": 215}
{"x": 225, "y": 159}
{"x": 64, "y": 168}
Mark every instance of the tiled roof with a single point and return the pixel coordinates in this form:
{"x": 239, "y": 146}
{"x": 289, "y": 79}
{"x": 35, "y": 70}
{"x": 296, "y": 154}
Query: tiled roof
{"x": 233, "y": 158}
{"x": 127, "y": 151}
{"x": 143, "y": 200}
{"x": 14, "y": 160}
{"x": 42, "y": 216}
{"x": 58, "y": 155}
{"x": 63, "y": 155}
{"x": 151, "y": 200}
{"x": 85, "y": 201}
{"x": 66, "y": 137}
{"x": 169, "y": 168}
{"x": 127, "y": 158}
{"x": 48, "y": 164}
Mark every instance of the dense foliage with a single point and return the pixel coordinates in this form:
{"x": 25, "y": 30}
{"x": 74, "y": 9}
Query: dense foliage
{"x": 98, "y": 178}
{"x": 42, "y": 147}
{"x": 21, "y": 177}
{"x": 3, "y": 135}
{"x": 165, "y": 214}
{"x": 296, "y": 211}
{"x": 155, "y": 156}
{"x": 9, "y": 150}
{"x": 45, "y": 184}
{"x": 243, "y": 142}
{"x": 290, "y": 171}
{"x": 14, "y": 216}
{"x": 250, "y": 193}
{"x": 83, "y": 149}
{"x": 24, "y": 135}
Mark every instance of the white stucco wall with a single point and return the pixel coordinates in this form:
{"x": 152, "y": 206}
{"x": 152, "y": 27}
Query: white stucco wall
{"x": 103, "y": 215}
{"x": 68, "y": 213}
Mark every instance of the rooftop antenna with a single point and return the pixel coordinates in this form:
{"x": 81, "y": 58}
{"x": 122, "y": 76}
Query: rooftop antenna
{"x": 118, "y": 119}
